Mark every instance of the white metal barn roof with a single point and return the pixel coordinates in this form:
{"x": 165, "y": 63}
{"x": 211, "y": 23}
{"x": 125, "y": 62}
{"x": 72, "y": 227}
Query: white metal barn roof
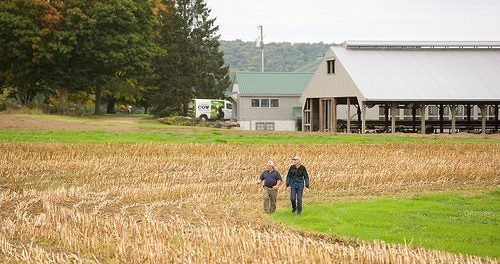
{"x": 423, "y": 44}
{"x": 423, "y": 71}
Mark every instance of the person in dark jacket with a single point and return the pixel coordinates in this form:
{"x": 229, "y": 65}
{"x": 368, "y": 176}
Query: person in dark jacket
{"x": 297, "y": 178}
{"x": 270, "y": 180}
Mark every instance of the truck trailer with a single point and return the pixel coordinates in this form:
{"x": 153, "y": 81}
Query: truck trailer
{"x": 211, "y": 109}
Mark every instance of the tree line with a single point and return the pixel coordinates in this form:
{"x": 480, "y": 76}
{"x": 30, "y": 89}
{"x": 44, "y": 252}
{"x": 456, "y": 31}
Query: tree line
{"x": 157, "y": 54}
{"x": 278, "y": 56}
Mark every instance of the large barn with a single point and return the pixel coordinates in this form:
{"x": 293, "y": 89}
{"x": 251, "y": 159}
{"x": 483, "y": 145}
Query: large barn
{"x": 385, "y": 86}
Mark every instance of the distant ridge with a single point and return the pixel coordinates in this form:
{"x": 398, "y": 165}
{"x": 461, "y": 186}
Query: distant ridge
{"x": 279, "y": 57}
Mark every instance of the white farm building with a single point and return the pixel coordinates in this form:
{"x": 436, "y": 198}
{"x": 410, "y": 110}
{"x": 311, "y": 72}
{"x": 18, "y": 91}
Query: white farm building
{"x": 412, "y": 86}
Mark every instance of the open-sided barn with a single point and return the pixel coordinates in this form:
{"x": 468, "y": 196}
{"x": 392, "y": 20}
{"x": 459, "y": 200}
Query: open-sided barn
{"x": 454, "y": 84}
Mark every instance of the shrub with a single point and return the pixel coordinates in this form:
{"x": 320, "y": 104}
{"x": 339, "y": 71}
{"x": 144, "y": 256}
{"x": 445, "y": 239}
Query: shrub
{"x": 6, "y": 101}
{"x": 178, "y": 121}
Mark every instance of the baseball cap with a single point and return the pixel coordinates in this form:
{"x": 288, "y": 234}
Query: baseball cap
{"x": 296, "y": 158}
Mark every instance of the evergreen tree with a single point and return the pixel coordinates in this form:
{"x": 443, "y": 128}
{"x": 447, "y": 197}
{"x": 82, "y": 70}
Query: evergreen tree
{"x": 169, "y": 85}
{"x": 193, "y": 65}
{"x": 212, "y": 78}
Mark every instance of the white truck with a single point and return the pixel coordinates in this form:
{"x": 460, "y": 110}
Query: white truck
{"x": 211, "y": 109}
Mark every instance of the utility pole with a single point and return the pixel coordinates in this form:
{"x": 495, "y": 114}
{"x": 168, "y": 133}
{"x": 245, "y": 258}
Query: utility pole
{"x": 261, "y": 44}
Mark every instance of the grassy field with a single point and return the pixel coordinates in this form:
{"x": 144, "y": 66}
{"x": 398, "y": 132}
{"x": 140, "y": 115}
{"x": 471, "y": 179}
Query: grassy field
{"x": 141, "y": 129}
{"x": 446, "y": 221}
{"x": 135, "y": 191}
{"x": 210, "y": 135}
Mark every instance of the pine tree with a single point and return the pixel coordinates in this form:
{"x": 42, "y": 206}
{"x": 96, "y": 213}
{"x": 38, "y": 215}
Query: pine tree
{"x": 212, "y": 77}
{"x": 193, "y": 65}
{"x": 169, "y": 85}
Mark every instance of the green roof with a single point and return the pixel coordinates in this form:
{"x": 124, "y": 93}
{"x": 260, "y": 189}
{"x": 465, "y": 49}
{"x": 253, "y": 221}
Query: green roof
{"x": 272, "y": 83}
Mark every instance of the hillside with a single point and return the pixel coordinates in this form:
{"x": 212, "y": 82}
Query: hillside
{"x": 278, "y": 57}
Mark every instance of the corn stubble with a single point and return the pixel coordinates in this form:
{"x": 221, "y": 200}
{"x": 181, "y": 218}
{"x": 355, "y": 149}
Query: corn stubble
{"x": 199, "y": 203}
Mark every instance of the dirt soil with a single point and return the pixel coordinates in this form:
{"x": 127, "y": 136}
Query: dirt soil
{"x": 108, "y": 123}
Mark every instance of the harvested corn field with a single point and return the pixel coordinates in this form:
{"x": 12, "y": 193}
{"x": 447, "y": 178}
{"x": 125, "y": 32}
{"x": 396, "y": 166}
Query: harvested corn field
{"x": 200, "y": 203}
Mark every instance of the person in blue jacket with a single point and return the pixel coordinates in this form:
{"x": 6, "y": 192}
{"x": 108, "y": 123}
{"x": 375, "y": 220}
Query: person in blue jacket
{"x": 270, "y": 180}
{"x": 297, "y": 178}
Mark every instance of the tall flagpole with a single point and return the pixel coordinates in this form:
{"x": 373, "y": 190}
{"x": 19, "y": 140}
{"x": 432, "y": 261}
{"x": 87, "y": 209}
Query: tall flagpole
{"x": 261, "y": 49}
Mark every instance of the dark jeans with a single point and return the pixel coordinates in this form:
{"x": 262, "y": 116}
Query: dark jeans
{"x": 296, "y": 198}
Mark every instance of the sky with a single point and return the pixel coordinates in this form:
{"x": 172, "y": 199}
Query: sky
{"x": 334, "y": 21}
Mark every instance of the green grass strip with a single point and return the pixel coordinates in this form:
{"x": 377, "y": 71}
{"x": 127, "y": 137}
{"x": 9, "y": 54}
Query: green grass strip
{"x": 451, "y": 222}
{"x": 177, "y": 135}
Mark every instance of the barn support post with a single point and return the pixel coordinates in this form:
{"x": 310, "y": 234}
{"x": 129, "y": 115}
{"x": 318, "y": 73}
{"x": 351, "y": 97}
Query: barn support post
{"x": 423, "y": 109}
{"x": 306, "y": 116}
{"x": 413, "y": 118}
{"x": 386, "y": 117}
{"x": 311, "y": 121}
{"x": 363, "y": 117}
{"x": 441, "y": 119}
{"x": 484, "y": 109}
{"x": 334, "y": 115}
{"x": 393, "y": 118}
{"x": 321, "y": 115}
{"x": 453, "y": 110}
{"x": 328, "y": 114}
{"x": 496, "y": 118}
{"x": 348, "y": 115}
{"x": 358, "y": 114}
{"x": 469, "y": 112}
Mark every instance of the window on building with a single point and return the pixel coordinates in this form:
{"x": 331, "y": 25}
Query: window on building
{"x": 264, "y": 126}
{"x": 265, "y": 102}
{"x": 330, "y": 64}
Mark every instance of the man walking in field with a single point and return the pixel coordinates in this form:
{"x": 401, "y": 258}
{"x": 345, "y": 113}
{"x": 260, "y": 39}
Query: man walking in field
{"x": 271, "y": 179}
{"x": 296, "y": 178}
